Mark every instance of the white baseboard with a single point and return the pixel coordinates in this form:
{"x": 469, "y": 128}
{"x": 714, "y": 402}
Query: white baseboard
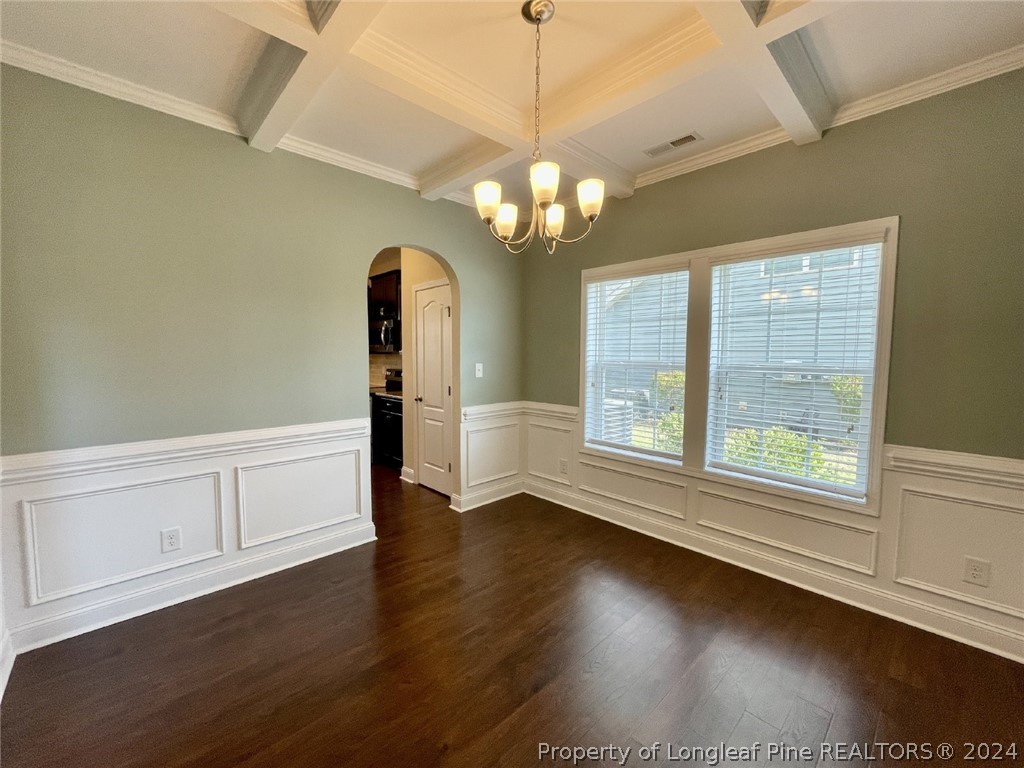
{"x": 82, "y": 529}
{"x": 492, "y": 493}
{"x": 6, "y": 662}
{"x": 409, "y": 475}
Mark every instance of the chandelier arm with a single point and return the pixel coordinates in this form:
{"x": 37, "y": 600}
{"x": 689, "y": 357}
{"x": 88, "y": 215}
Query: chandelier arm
{"x": 569, "y": 241}
{"x": 521, "y": 248}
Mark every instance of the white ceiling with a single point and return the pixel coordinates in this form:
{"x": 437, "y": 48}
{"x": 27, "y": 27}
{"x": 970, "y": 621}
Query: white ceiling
{"x": 437, "y": 96}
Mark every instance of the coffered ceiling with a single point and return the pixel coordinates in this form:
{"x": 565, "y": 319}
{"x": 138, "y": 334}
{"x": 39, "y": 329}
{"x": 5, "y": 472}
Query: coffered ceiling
{"x": 438, "y": 95}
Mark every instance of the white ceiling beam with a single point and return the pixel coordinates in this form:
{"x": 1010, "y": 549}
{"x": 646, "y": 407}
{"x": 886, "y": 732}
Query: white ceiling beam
{"x": 452, "y": 174}
{"x": 581, "y": 162}
{"x": 287, "y": 78}
{"x": 779, "y": 70}
{"x": 416, "y": 78}
{"x": 787, "y": 16}
{"x": 283, "y": 21}
{"x": 677, "y": 56}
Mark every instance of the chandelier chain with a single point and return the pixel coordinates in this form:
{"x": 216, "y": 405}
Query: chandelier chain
{"x": 536, "y": 101}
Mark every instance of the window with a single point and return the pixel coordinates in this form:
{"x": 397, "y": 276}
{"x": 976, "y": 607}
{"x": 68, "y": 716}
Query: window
{"x": 636, "y": 363}
{"x": 788, "y": 359}
{"x": 792, "y": 367}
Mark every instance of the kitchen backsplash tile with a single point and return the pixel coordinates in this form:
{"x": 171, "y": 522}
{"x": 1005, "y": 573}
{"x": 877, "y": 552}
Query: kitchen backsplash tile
{"x": 378, "y": 363}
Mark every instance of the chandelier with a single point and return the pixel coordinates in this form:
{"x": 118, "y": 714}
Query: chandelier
{"x": 548, "y": 217}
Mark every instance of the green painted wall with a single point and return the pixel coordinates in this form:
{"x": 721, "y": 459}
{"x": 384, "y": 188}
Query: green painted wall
{"x": 952, "y": 167}
{"x": 163, "y": 279}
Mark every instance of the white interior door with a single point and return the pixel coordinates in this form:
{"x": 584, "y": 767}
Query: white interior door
{"x": 434, "y": 387}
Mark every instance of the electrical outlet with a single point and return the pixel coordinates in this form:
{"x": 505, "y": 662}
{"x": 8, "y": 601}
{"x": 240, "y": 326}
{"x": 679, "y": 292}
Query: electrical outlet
{"x": 479, "y": 370}
{"x": 563, "y": 466}
{"x": 170, "y": 539}
{"x": 977, "y": 571}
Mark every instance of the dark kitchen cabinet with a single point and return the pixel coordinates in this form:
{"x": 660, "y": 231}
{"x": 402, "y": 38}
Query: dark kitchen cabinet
{"x": 386, "y": 426}
{"x": 384, "y": 302}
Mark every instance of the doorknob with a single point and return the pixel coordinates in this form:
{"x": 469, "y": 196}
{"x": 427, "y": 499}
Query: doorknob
{"x": 418, "y": 399}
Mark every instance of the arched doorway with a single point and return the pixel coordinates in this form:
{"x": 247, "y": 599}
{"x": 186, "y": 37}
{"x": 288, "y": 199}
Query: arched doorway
{"x": 413, "y": 332}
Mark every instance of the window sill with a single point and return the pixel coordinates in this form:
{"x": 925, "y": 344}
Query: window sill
{"x": 639, "y": 459}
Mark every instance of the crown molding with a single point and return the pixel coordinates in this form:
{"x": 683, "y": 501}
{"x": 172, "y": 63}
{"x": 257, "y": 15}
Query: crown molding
{"x": 571, "y": 152}
{"x": 690, "y": 40}
{"x": 331, "y": 156}
{"x": 84, "y": 77}
{"x": 438, "y": 81}
{"x": 951, "y": 79}
{"x": 462, "y": 198}
{"x": 713, "y": 157}
{"x": 933, "y": 85}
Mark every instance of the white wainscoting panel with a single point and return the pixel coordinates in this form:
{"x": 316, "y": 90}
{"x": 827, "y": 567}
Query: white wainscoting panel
{"x": 938, "y": 531}
{"x": 844, "y": 545}
{"x": 81, "y": 528}
{"x": 488, "y": 454}
{"x": 624, "y": 484}
{"x": 94, "y": 538}
{"x": 549, "y": 445}
{"x": 490, "y": 462}
{"x": 318, "y": 491}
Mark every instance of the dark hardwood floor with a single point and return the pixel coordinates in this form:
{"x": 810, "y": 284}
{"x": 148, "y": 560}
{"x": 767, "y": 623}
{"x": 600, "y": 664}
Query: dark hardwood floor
{"x": 467, "y": 640}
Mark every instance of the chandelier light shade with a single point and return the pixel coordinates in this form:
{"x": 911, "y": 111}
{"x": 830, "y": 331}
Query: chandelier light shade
{"x": 548, "y": 217}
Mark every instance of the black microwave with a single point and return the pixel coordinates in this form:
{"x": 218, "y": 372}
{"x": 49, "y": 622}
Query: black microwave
{"x": 385, "y": 335}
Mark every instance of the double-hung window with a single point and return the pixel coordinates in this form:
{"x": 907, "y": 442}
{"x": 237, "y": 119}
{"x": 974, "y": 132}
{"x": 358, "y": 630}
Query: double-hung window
{"x": 788, "y": 359}
{"x": 792, "y": 367}
{"x": 635, "y": 363}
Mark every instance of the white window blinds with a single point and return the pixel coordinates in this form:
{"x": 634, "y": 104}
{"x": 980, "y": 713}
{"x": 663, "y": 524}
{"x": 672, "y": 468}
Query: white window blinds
{"x": 635, "y": 363}
{"x": 792, "y": 367}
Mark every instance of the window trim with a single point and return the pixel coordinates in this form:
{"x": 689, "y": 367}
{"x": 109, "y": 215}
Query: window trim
{"x": 698, "y": 343}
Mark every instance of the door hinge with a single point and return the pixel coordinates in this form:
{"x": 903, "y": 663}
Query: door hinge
{"x": 449, "y": 391}
{"x": 449, "y": 466}
{"x": 449, "y": 311}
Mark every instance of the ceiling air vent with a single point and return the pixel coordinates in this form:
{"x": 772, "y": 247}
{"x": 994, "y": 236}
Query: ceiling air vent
{"x": 668, "y": 146}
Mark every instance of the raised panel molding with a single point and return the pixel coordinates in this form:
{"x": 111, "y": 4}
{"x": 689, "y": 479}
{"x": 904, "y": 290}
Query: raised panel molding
{"x": 37, "y": 560}
{"x": 563, "y": 449}
{"x": 298, "y": 495}
{"x": 1004, "y": 526}
{"x": 630, "y": 486}
{"x": 492, "y": 453}
{"x": 845, "y": 537}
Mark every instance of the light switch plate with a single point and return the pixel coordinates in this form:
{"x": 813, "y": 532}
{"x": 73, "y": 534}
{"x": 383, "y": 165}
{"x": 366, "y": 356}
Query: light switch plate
{"x": 479, "y": 370}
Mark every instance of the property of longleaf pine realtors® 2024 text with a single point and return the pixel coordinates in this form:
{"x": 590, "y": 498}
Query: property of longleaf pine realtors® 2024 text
{"x": 775, "y": 751}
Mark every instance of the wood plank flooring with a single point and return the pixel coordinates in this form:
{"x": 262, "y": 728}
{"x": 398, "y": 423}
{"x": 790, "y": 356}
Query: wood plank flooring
{"x": 467, "y": 640}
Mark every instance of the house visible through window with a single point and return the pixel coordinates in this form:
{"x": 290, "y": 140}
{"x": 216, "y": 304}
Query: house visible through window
{"x": 792, "y": 367}
{"x": 790, "y": 342}
{"x": 636, "y": 363}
